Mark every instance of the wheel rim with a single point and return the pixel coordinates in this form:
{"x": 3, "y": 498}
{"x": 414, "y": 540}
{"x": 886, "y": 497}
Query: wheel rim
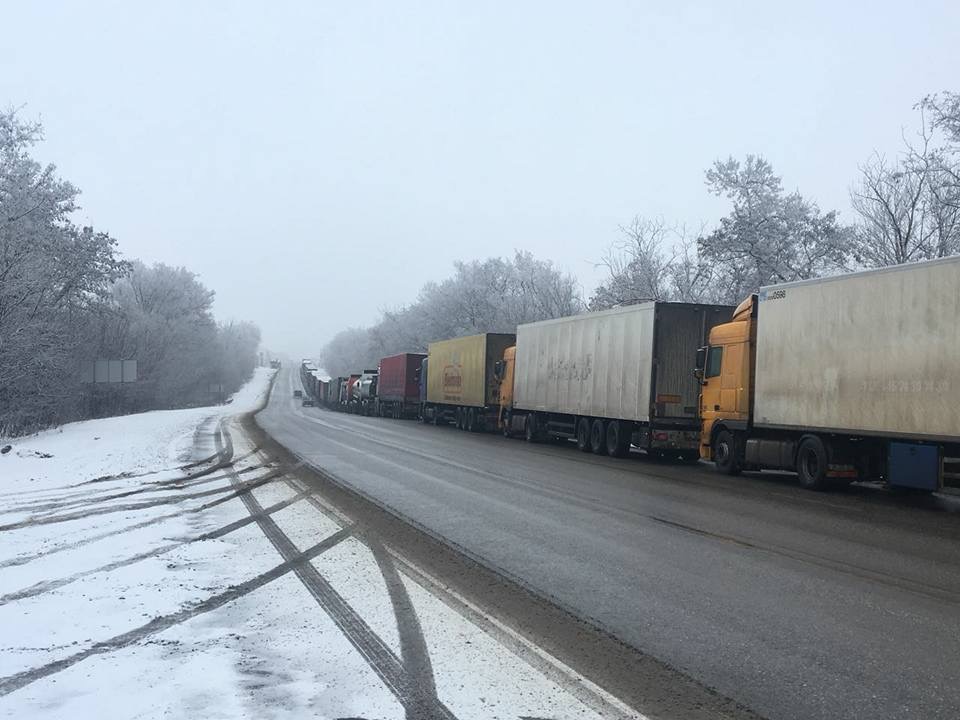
{"x": 723, "y": 453}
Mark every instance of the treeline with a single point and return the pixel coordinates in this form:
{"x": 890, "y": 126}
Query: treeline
{"x": 494, "y": 295}
{"x": 906, "y": 209}
{"x": 67, "y": 298}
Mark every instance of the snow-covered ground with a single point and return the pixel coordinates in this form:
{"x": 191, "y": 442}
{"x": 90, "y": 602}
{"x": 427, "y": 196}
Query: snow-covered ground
{"x": 133, "y": 585}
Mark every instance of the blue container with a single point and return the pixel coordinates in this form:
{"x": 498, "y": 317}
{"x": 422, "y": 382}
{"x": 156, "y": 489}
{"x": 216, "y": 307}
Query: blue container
{"x": 911, "y": 465}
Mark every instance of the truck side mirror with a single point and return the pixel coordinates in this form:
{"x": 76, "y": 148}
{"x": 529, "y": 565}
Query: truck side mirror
{"x": 701, "y": 364}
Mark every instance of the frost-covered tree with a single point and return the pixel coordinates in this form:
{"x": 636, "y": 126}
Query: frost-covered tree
{"x": 770, "y": 236}
{"x": 164, "y": 319}
{"x": 67, "y": 297}
{"x": 909, "y": 207}
{"x": 53, "y": 274}
{"x": 350, "y": 350}
{"x": 637, "y": 265}
{"x": 653, "y": 261}
{"x": 237, "y": 344}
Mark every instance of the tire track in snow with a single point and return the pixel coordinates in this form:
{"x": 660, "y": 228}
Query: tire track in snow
{"x": 50, "y": 585}
{"x": 127, "y": 507}
{"x": 86, "y": 499}
{"x": 26, "y": 558}
{"x": 15, "y": 682}
{"x": 415, "y": 692}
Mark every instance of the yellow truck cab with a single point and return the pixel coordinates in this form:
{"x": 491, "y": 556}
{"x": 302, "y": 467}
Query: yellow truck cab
{"x": 726, "y": 370}
{"x": 504, "y": 374}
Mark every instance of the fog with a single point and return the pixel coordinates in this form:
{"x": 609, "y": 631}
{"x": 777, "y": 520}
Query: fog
{"x": 316, "y": 163}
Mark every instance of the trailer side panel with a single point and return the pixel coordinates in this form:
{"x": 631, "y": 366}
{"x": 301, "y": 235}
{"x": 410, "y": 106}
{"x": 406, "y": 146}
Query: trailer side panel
{"x": 875, "y": 352}
{"x": 597, "y": 364}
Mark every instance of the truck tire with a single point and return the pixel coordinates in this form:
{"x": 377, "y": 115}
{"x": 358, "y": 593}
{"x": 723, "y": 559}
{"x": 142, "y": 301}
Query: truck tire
{"x": 472, "y": 420}
{"x": 812, "y": 463}
{"x": 458, "y": 418}
{"x": 725, "y": 453}
{"x": 618, "y": 438}
{"x": 598, "y": 437}
{"x": 583, "y": 435}
{"x": 530, "y": 432}
{"x": 505, "y": 425}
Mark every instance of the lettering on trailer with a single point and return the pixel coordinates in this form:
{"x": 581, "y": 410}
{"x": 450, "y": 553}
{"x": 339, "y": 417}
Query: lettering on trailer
{"x": 773, "y": 295}
{"x": 907, "y": 386}
{"x": 564, "y": 369}
{"x": 451, "y": 382}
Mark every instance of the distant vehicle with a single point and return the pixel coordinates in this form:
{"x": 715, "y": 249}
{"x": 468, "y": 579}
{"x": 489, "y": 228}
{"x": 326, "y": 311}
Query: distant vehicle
{"x": 398, "y": 385}
{"x": 298, "y": 393}
{"x": 275, "y": 364}
{"x": 308, "y": 402}
{"x": 365, "y": 393}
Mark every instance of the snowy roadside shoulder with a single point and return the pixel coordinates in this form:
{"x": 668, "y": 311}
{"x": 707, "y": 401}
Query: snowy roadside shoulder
{"x": 232, "y": 589}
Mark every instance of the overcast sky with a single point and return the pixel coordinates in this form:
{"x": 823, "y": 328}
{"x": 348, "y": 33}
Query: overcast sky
{"x": 317, "y": 162}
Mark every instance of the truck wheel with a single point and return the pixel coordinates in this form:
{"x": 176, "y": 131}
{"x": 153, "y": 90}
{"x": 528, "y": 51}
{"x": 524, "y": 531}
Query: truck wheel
{"x": 530, "y": 433}
{"x": 725, "y": 453}
{"x": 505, "y": 425}
{"x": 472, "y": 420}
{"x": 617, "y": 444}
{"x": 812, "y": 463}
{"x": 583, "y": 435}
{"x": 598, "y": 437}
{"x": 436, "y": 416}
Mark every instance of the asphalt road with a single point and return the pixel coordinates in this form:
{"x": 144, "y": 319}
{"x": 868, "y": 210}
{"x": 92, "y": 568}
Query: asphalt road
{"x": 797, "y": 604}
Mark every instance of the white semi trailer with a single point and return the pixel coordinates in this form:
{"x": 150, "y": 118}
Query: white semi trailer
{"x": 610, "y": 379}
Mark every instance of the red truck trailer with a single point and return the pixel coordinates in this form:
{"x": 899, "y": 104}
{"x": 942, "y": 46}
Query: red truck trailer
{"x": 398, "y": 386}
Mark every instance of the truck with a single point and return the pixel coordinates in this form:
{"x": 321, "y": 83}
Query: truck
{"x": 347, "y": 390}
{"x": 364, "y": 397}
{"x": 398, "y": 386}
{"x": 853, "y": 377}
{"x": 460, "y": 385}
{"x": 610, "y": 380}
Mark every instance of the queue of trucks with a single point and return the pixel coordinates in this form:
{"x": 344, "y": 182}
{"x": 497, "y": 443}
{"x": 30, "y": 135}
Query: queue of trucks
{"x": 853, "y": 377}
